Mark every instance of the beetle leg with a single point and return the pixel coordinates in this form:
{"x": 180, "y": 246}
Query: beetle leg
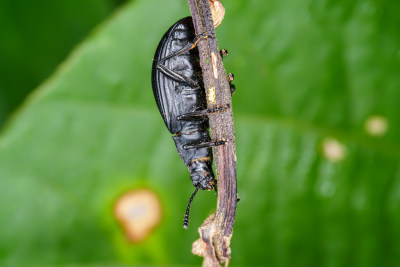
{"x": 205, "y": 144}
{"x": 177, "y": 76}
{"x": 233, "y": 88}
{"x": 231, "y": 77}
{"x": 201, "y": 36}
{"x": 223, "y": 52}
{"x": 184, "y": 88}
{"x": 187, "y": 47}
{"x": 201, "y": 113}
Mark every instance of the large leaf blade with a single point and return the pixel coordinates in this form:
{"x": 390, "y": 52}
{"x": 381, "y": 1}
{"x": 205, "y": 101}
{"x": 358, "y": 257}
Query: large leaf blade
{"x": 93, "y": 131}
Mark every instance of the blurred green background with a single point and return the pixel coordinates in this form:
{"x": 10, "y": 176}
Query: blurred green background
{"x": 316, "y": 116}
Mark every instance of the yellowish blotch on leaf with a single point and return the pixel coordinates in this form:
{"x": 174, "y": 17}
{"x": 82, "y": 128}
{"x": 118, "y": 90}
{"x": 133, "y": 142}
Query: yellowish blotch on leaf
{"x": 138, "y": 212}
{"x": 333, "y": 150}
{"x": 376, "y": 125}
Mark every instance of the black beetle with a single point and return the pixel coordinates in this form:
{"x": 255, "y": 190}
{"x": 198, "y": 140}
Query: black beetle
{"x": 179, "y": 92}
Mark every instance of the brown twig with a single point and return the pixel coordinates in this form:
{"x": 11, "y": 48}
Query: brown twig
{"x": 216, "y": 231}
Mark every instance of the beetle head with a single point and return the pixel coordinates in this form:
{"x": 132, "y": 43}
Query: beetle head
{"x": 202, "y": 175}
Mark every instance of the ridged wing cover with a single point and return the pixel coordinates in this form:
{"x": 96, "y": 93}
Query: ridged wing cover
{"x": 170, "y": 101}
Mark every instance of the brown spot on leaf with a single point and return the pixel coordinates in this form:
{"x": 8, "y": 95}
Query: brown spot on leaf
{"x": 138, "y": 212}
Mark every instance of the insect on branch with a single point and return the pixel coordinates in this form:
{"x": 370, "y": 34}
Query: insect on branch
{"x": 216, "y": 231}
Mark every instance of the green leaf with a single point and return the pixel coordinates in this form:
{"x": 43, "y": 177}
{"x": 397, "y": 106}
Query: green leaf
{"x": 317, "y": 142}
{"x": 35, "y": 37}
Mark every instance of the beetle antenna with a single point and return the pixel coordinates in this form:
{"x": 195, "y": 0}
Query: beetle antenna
{"x": 186, "y": 219}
